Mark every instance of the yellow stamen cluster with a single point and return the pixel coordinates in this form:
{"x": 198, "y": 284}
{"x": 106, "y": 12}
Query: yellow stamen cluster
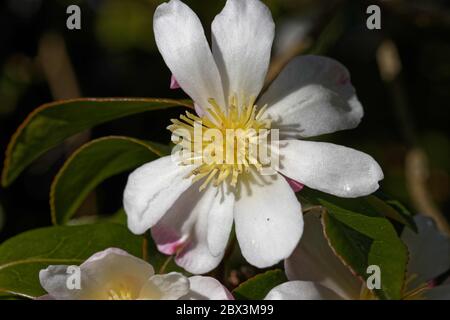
{"x": 119, "y": 293}
{"x": 246, "y": 123}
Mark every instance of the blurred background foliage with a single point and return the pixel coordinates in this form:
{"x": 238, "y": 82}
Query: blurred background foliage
{"x": 406, "y": 114}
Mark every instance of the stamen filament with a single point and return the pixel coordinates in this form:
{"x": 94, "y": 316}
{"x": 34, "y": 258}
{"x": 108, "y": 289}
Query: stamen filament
{"x": 237, "y": 150}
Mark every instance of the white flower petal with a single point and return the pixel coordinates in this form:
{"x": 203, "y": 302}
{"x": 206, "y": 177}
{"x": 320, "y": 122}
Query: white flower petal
{"x": 438, "y": 293}
{"x": 301, "y": 290}
{"x": 184, "y": 230}
{"x": 54, "y": 279}
{"x": 172, "y": 232}
{"x": 269, "y": 222}
{"x": 313, "y": 260}
{"x": 181, "y": 40}
{"x": 330, "y": 168}
{"x": 171, "y": 286}
{"x": 109, "y": 269}
{"x": 151, "y": 190}
{"x": 220, "y": 221}
{"x": 429, "y": 250}
{"x": 207, "y": 288}
{"x": 113, "y": 269}
{"x": 312, "y": 96}
{"x": 242, "y": 40}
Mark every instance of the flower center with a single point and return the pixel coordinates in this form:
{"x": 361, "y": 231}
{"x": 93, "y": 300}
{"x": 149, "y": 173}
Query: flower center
{"x": 224, "y": 143}
{"x": 120, "y": 292}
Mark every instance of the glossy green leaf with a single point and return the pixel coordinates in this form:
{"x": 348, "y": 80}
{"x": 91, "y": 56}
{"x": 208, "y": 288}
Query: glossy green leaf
{"x": 259, "y": 286}
{"x": 372, "y": 205}
{"x": 52, "y": 123}
{"x": 92, "y": 164}
{"x": 23, "y": 256}
{"x": 393, "y": 209}
{"x": 361, "y": 236}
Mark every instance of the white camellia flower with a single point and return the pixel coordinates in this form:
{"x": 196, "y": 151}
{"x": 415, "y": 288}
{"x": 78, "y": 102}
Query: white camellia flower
{"x": 317, "y": 274}
{"x": 113, "y": 274}
{"x": 191, "y": 208}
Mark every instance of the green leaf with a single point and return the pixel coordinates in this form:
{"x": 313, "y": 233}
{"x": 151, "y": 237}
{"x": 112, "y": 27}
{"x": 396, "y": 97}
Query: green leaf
{"x": 52, "y": 123}
{"x": 259, "y": 286}
{"x": 119, "y": 217}
{"x": 90, "y": 165}
{"x": 23, "y": 256}
{"x": 372, "y": 205}
{"x": 393, "y": 209}
{"x": 361, "y": 236}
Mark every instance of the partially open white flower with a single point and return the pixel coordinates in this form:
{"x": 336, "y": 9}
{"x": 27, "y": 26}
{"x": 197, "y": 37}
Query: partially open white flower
{"x": 312, "y": 96}
{"x": 113, "y": 274}
{"x": 317, "y": 274}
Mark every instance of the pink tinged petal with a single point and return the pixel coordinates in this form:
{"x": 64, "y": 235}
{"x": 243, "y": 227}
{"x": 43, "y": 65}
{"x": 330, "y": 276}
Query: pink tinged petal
{"x": 174, "y": 83}
{"x": 168, "y": 240}
{"x": 330, "y": 168}
{"x": 185, "y": 226}
{"x": 429, "y": 251}
{"x": 242, "y": 36}
{"x": 196, "y": 257}
{"x": 172, "y": 232}
{"x": 151, "y": 190}
{"x": 314, "y": 260}
{"x": 269, "y": 221}
{"x": 312, "y": 96}
{"x": 207, "y": 288}
{"x": 295, "y": 185}
{"x": 181, "y": 41}
{"x": 301, "y": 290}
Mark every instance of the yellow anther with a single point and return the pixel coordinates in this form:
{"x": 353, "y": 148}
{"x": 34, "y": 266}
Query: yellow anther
{"x": 246, "y": 121}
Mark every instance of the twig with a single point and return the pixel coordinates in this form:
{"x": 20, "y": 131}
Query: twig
{"x": 163, "y": 268}
{"x": 145, "y": 248}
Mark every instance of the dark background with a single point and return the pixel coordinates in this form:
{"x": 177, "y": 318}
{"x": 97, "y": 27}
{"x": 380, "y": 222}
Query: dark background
{"x": 114, "y": 55}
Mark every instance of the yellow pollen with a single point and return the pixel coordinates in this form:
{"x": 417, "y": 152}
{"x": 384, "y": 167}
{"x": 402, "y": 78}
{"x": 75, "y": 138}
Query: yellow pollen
{"x": 119, "y": 293}
{"x": 224, "y": 142}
